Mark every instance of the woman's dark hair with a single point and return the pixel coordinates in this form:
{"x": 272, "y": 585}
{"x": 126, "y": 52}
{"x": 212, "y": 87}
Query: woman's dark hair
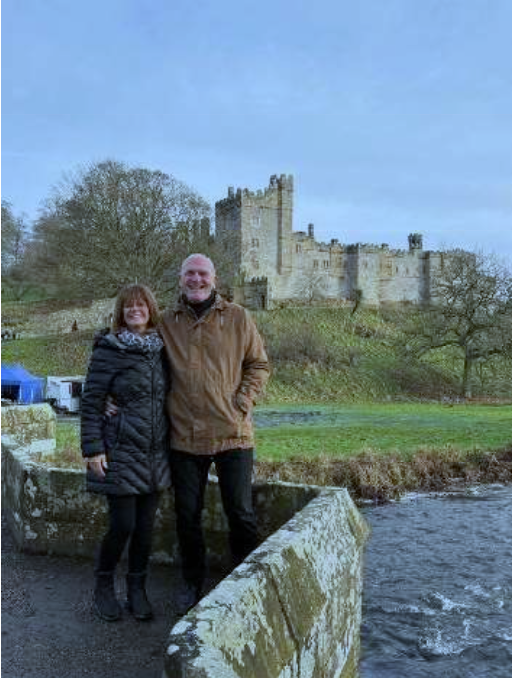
{"x": 131, "y": 293}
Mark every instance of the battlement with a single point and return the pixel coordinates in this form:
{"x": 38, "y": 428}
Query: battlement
{"x": 372, "y": 248}
{"x": 234, "y": 197}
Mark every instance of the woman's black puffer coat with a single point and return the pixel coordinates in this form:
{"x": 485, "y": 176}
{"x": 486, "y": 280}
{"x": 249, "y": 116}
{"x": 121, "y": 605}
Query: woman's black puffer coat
{"x": 136, "y": 439}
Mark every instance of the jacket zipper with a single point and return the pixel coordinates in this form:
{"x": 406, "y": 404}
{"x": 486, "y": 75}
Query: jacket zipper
{"x": 152, "y": 441}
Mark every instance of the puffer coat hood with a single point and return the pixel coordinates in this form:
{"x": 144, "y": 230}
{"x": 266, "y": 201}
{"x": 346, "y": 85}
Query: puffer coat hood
{"x": 136, "y": 439}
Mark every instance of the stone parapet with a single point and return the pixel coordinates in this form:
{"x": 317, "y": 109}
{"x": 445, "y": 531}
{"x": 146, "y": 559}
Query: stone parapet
{"x": 49, "y": 511}
{"x": 292, "y": 609}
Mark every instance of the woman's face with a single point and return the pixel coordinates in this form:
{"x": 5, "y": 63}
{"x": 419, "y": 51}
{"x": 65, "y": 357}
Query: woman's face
{"x": 136, "y": 315}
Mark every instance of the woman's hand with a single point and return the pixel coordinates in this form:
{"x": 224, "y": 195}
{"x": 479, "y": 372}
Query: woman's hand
{"x": 97, "y": 465}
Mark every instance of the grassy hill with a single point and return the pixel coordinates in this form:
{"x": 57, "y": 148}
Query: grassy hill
{"x": 317, "y": 354}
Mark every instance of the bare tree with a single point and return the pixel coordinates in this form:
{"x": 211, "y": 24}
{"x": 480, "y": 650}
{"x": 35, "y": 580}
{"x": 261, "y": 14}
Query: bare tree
{"x": 14, "y": 235}
{"x": 311, "y": 286}
{"x": 111, "y": 224}
{"x": 357, "y": 298}
{"x": 15, "y": 242}
{"x": 471, "y": 310}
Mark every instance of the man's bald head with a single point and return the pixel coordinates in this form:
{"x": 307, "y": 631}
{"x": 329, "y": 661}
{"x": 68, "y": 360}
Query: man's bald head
{"x": 197, "y": 278}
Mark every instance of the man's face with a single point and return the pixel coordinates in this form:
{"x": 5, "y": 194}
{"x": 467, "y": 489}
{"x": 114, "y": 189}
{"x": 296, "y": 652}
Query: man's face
{"x": 197, "y": 279}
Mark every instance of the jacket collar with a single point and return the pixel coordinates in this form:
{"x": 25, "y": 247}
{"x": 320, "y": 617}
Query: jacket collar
{"x": 219, "y": 304}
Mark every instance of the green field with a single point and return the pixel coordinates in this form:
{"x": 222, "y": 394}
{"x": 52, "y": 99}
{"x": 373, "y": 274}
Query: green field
{"x": 379, "y": 430}
{"x": 383, "y": 429}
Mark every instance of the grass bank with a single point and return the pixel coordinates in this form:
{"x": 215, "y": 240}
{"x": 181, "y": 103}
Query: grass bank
{"x": 318, "y": 355}
{"x": 351, "y": 430}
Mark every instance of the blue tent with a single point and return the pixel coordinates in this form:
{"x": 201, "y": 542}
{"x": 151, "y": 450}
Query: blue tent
{"x": 21, "y": 386}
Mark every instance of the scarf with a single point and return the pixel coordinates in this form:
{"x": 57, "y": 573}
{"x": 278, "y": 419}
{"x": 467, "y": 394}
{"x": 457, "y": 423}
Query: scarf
{"x": 149, "y": 342}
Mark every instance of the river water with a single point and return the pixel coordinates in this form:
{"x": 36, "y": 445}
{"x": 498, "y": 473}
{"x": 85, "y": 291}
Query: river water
{"x": 437, "y": 598}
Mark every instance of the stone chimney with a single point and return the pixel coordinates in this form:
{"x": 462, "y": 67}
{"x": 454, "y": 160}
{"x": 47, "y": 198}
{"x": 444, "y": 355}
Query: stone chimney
{"x": 415, "y": 241}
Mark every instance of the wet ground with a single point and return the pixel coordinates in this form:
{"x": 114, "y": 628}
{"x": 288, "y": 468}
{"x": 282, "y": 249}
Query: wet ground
{"x": 50, "y": 631}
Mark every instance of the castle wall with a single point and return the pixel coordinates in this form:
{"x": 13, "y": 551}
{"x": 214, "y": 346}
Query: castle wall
{"x": 401, "y": 276}
{"x": 317, "y": 268}
{"x": 266, "y": 251}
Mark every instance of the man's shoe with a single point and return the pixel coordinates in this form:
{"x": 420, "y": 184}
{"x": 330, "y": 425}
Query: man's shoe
{"x": 187, "y": 597}
{"x": 105, "y": 602}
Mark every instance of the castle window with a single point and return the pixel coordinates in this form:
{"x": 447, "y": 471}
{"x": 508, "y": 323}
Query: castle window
{"x": 256, "y": 217}
{"x": 298, "y": 249}
{"x": 255, "y": 242}
{"x": 396, "y": 269}
{"x": 326, "y": 264}
{"x": 315, "y": 263}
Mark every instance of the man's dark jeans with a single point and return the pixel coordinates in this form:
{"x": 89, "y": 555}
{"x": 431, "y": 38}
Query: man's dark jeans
{"x": 189, "y": 479}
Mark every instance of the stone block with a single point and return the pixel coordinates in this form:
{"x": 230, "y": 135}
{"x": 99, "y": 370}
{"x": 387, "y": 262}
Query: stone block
{"x": 32, "y": 426}
{"x": 238, "y": 630}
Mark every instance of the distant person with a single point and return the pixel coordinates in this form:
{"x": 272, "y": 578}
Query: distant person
{"x": 127, "y": 455}
{"x": 74, "y": 326}
{"x": 219, "y": 367}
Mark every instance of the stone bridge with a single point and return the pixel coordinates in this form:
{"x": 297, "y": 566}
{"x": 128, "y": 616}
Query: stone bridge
{"x": 292, "y": 609}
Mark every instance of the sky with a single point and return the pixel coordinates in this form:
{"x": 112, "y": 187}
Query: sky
{"x": 394, "y": 116}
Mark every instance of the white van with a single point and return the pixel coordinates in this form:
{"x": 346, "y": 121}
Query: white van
{"x": 65, "y": 393}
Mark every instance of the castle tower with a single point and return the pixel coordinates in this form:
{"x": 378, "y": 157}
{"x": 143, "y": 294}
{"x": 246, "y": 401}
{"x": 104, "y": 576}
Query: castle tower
{"x": 254, "y": 228}
{"x": 228, "y": 231}
{"x": 284, "y": 214}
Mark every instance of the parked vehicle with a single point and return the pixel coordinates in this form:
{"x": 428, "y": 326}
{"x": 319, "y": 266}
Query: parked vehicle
{"x": 65, "y": 393}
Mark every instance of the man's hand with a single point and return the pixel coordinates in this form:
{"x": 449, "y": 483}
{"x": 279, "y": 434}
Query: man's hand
{"x": 97, "y": 465}
{"x": 243, "y": 402}
{"x": 110, "y": 407}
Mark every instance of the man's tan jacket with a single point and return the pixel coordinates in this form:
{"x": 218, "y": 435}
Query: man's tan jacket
{"x": 218, "y": 368}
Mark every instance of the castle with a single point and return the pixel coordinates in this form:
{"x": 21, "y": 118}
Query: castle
{"x": 273, "y": 263}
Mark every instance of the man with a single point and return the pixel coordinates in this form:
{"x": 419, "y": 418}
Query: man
{"x": 219, "y": 367}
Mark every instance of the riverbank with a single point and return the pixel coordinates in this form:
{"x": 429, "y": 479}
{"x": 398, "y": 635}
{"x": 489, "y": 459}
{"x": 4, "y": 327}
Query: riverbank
{"x": 380, "y": 479}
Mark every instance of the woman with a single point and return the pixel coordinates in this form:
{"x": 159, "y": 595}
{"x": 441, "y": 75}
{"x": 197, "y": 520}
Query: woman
{"x": 127, "y": 454}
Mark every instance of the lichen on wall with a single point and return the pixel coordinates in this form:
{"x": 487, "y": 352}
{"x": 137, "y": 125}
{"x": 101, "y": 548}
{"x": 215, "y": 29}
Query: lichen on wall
{"x": 32, "y": 426}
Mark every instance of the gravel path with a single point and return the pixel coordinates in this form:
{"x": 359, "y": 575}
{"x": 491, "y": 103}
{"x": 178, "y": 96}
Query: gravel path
{"x": 50, "y": 631}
